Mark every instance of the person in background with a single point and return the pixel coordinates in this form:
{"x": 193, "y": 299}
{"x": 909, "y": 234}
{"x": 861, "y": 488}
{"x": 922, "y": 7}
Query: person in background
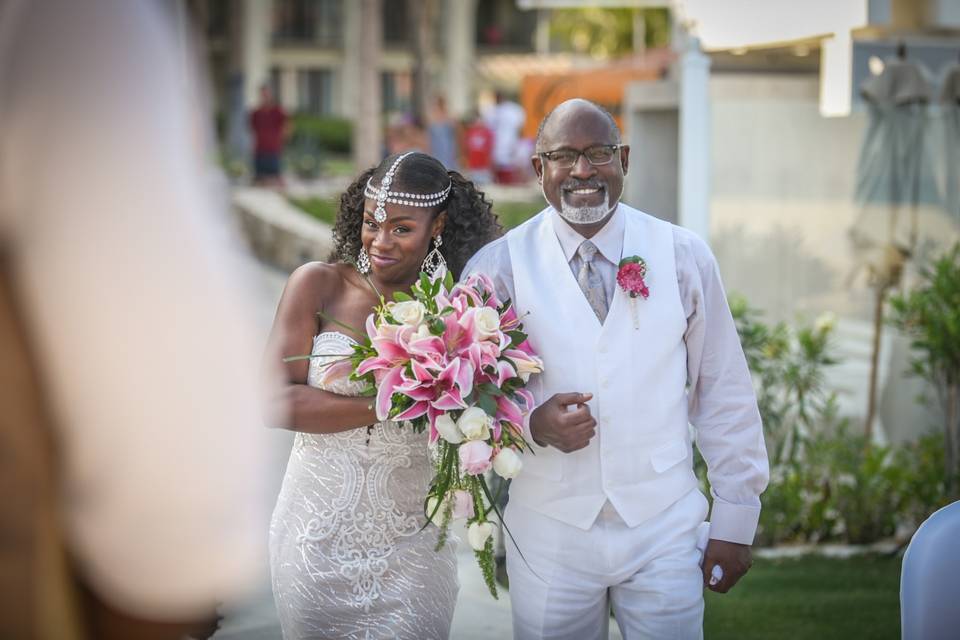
{"x": 478, "y": 150}
{"x": 443, "y": 135}
{"x": 506, "y": 120}
{"x": 270, "y": 127}
{"x": 132, "y": 483}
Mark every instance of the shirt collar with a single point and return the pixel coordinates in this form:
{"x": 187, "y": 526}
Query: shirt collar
{"x": 609, "y": 240}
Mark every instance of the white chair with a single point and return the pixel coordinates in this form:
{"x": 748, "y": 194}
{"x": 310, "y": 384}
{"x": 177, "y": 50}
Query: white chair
{"x": 930, "y": 579}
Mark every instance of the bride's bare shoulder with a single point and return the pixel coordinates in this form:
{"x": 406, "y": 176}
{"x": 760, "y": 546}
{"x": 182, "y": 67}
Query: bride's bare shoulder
{"x": 318, "y": 279}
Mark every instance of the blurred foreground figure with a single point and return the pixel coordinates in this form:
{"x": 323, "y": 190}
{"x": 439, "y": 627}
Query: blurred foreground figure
{"x": 130, "y": 470}
{"x": 930, "y": 578}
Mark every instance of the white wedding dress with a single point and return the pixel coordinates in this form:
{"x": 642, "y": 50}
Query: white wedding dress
{"x": 348, "y": 557}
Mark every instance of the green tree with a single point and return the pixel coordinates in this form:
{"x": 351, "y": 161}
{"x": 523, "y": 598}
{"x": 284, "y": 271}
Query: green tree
{"x": 607, "y": 33}
{"x": 930, "y": 316}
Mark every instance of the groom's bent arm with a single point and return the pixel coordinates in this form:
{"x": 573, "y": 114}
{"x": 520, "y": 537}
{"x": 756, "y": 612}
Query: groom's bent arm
{"x": 565, "y": 432}
{"x": 723, "y": 409}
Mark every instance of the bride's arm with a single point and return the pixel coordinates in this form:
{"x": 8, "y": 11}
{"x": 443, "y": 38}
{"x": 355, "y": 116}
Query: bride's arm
{"x": 295, "y": 405}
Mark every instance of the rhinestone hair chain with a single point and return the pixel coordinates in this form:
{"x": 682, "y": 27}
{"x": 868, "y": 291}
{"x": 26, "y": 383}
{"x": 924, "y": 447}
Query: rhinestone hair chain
{"x": 383, "y": 195}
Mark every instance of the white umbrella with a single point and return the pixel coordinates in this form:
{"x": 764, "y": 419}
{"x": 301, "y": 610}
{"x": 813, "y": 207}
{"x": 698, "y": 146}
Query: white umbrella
{"x": 950, "y": 113}
{"x": 894, "y": 174}
{"x": 894, "y": 179}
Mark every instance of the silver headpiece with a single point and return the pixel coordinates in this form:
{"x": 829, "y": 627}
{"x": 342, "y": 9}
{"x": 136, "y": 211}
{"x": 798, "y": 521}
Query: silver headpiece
{"x": 383, "y": 195}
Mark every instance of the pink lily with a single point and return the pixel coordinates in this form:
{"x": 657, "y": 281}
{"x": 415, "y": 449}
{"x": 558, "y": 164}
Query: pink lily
{"x": 385, "y": 389}
{"x": 336, "y": 370}
{"x": 416, "y": 410}
{"x": 505, "y": 371}
{"x": 508, "y": 410}
{"x": 509, "y": 319}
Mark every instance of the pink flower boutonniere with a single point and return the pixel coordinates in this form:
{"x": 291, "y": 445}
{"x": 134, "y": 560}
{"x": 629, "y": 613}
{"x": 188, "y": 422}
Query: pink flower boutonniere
{"x": 630, "y": 277}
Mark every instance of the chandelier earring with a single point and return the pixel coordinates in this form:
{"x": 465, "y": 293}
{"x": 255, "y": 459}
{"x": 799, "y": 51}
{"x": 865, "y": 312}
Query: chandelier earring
{"x": 434, "y": 265}
{"x": 363, "y": 262}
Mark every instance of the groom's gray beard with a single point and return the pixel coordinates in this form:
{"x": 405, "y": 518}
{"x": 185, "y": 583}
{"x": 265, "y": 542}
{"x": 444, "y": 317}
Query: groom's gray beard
{"x": 585, "y": 215}
{"x": 582, "y": 215}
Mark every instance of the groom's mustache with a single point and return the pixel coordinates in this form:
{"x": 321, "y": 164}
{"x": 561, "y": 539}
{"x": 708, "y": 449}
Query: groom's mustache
{"x": 570, "y": 184}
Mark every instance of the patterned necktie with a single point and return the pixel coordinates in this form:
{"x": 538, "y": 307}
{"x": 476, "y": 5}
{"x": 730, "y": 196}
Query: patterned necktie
{"x": 590, "y": 281}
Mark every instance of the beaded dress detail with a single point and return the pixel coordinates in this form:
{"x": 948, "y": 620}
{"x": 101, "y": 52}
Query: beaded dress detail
{"x": 348, "y": 558}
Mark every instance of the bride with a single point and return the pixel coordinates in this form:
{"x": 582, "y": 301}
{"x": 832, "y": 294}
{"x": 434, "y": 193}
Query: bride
{"x": 349, "y": 556}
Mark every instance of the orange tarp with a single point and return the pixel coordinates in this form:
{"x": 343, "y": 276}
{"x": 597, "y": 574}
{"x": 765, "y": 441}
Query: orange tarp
{"x": 541, "y": 93}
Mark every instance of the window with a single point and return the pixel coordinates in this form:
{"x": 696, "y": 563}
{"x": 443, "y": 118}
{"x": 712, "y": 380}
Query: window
{"x": 396, "y": 19}
{"x": 315, "y": 91}
{"x": 396, "y": 88}
{"x": 316, "y": 22}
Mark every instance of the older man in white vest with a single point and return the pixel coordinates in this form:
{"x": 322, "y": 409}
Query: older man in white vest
{"x": 607, "y": 511}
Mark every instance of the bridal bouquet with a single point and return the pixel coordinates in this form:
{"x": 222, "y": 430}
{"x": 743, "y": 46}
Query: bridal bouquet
{"x": 453, "y": 360}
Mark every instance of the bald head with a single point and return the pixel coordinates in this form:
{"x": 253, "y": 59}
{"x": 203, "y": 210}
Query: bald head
{"x": 568, "y": 114}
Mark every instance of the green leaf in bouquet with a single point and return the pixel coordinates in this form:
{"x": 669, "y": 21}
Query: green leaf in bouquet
{"x": 517, "y": 337}
{"x": 437, "y": 326}
{"x": 399, "y": 403}
{"x": 488, "y": 567}
{"x": 296, "y": 358}
{"x": 448, "y": 281}
{"x": 491, "y": 389}
{"x": 488, "y": 403}
{"x": 510, "y": 386}
{"x": 446, "y": 311}
{"x": 400, "y": 296}
{"x": 425, "y": 285}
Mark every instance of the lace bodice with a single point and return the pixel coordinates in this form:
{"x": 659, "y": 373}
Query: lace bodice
{"x": 381, "y": 439}
{"x": 347, "y": 531}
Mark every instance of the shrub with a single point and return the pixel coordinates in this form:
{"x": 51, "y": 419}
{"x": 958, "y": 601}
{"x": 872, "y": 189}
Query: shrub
{"x": 826, "y": 484}
{"x": 930, "y": 316}
{"x": 324, "y": 133}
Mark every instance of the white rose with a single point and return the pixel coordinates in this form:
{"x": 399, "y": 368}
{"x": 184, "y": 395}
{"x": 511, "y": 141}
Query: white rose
{"x": 477, "y": 534}
{"x": 432, "y": 504}
{"x": 409, "y": 312}
{"x": 474, "y": 424}
{"x": 487, "y": 322}
{"x": 507, "y": 464}
{"x": 423, "y": 331}
{"x": 448, "y": 429}
{"x": 528, "y": 367}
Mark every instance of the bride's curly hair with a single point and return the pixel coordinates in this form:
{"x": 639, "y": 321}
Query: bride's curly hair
{"x": 470, "y": 223}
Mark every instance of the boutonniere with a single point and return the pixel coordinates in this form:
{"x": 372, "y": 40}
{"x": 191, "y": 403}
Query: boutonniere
{"x": 630, "y": 277}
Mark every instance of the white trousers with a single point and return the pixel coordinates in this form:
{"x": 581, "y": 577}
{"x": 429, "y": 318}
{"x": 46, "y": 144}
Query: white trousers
{"x": 568, "y": 578}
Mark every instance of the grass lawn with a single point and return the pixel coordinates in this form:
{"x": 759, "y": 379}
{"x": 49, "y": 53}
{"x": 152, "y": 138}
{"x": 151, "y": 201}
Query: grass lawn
{"x": 323, "y": 209}
{"x": 510, "y": 213}
{"x": 810, "y": 597}
{"x": 513, "y": 213}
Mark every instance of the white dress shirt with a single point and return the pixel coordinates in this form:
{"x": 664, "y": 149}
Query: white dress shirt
{"x": 715, "y": 399}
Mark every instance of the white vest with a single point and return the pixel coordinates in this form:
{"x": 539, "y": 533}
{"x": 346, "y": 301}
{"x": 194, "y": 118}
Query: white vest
{"x": 640, "y": 458}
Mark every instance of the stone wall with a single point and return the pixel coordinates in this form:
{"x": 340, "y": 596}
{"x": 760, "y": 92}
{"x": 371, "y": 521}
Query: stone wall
{"x": 279, "y": 233}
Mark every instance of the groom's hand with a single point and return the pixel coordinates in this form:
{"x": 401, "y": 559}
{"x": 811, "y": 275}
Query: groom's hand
{"x": 564, "y": 422}
{"x": 734, "y": 559}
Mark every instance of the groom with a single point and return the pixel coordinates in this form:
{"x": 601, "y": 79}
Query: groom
{"x": 607, "y": 512}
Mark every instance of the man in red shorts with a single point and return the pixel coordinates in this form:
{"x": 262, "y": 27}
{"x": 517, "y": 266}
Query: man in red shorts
{"x": 269, "y": 125}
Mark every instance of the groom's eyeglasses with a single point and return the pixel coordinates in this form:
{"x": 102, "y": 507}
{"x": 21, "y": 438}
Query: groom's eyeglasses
{"x": 596, "y": 155}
